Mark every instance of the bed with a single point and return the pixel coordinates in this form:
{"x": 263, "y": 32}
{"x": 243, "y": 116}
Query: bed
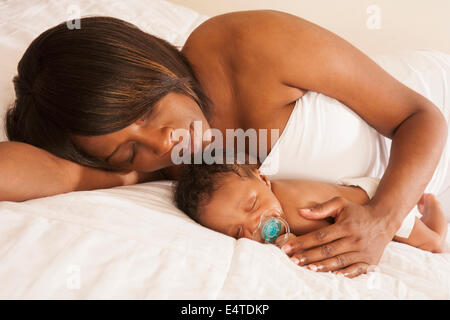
{"x": 132, "y": 242}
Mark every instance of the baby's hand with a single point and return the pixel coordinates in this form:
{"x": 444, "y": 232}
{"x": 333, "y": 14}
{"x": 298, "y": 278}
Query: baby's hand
{"x": 281, "y": 240}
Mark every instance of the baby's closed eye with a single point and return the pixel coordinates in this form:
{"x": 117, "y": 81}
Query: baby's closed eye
{"x": 251, "y": 204}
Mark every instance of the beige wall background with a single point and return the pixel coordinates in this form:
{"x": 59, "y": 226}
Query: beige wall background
{"x": 377, "y": 26}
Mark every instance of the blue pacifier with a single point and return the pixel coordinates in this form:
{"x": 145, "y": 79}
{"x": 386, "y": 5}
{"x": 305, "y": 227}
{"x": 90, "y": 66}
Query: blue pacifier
{"x": 270, "y": 228}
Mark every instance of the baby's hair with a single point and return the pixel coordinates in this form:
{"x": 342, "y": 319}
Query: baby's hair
{"x": 197, "y": 183}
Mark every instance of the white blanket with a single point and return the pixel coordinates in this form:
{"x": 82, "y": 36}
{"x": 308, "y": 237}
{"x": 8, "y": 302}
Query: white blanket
{"x": 131, "y": 242}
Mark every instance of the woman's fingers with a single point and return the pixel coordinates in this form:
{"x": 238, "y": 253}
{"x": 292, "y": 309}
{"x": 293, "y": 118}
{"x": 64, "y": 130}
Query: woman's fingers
{"x": 324, "y": 255}
{"x": 314, "y": 239}
{"x": 354, "y": 270}
{"x": 365, "y": 234}
{"x": 323, "y": 210}
{"x": 281, "y": 239}
{"x": 338, "y": 262}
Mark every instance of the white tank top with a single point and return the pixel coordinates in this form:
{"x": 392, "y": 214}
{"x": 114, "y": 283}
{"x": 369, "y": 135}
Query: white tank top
{"x": 325, "y": 140}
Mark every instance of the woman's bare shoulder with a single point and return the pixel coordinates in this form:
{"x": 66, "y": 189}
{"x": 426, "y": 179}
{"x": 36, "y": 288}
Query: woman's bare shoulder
{"x": 233, "y": 31}
{"x": 299, "y": 54}
{"x": 246, "y": 44}
{"x": 239, "y": 47}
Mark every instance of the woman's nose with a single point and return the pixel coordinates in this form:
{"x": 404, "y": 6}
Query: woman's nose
{"x": 158, "y": 140}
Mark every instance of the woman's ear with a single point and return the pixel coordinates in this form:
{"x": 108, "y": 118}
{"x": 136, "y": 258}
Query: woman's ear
{"x": 138, "y": 122}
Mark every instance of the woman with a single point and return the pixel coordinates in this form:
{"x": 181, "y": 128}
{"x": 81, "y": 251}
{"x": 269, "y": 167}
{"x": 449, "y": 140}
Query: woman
{"x": 108, "y": 96}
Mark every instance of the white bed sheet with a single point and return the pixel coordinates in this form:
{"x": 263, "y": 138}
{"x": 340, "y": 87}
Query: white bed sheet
{"x": 131, "y": 242}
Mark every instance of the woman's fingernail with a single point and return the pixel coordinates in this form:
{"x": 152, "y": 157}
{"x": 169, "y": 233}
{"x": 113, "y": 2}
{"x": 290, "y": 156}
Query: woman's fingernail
{"x": 312, "y": 267}
{"x": 286, "y": 248}
{"x": 306, "y": 210}
{"x": 295, "y": 260}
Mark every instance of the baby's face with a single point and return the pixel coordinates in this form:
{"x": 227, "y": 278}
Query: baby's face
{"x": 236, "y": 207}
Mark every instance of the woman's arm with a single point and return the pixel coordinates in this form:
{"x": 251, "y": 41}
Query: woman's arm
{"x": 309, "y": 57}
{"x": 27, "y": 172}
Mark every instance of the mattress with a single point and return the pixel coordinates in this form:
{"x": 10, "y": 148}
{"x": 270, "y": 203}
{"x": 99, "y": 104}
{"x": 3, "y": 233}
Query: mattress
{"x": 132, "y": 242}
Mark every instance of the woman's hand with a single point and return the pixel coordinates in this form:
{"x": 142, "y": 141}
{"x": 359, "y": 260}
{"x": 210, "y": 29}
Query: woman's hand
{"x": 134, "y": 177}
{"x": 350, "y": 246}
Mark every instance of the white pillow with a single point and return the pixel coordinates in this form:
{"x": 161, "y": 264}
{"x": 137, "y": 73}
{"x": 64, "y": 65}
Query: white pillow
{"x": 21, "y": 22}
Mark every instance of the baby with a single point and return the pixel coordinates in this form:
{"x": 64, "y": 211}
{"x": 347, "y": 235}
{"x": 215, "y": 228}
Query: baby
{"x": 230, "y": 198}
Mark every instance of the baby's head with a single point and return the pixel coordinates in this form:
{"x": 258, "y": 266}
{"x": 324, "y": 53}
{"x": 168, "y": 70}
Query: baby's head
{"x": 228, "y": 198}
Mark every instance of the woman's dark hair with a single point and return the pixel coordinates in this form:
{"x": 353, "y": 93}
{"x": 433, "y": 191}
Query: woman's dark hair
{"x": 93, "y": 81}
{"x": 197, "y": 183}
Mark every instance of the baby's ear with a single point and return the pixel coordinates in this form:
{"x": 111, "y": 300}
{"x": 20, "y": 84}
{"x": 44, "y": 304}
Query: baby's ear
{"x": 264, "y": 179}
{"x": 260, "y": 176}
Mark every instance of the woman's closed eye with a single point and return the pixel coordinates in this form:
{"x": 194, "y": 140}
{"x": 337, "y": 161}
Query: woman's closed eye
{"x": 133, "y": 153}
{"x": 134, "y": 146}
